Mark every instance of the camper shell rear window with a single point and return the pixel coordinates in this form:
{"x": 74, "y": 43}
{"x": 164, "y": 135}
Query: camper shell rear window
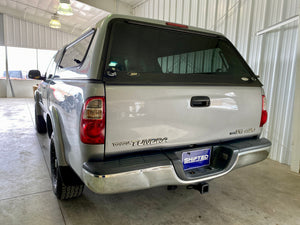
{"x": 148, "y": 54}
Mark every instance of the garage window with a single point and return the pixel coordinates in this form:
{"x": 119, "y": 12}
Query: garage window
{"x": 21, "y": 60}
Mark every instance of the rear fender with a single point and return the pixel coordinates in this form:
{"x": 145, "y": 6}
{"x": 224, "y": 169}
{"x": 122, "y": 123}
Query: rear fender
{"x": 58, "y": 140}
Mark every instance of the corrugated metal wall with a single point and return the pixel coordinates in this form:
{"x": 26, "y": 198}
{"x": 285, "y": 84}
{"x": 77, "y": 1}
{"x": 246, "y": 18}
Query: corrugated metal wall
{"x": 272, "y": 55}
{"x": 20, "y": 33}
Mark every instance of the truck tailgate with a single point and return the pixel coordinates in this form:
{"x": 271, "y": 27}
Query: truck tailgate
{"x": 143, "y": 117}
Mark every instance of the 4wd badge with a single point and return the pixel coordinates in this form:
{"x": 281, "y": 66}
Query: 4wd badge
{"x": 242, "y": 131}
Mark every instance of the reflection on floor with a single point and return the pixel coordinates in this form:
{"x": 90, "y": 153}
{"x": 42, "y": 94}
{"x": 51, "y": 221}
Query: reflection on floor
{"x": 266, "y": 193}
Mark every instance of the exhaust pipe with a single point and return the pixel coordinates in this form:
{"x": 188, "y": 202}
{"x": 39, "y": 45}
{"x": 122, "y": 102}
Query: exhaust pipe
{"x": 202, "y": 187}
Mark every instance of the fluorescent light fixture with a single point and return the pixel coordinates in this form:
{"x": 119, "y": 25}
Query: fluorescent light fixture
{"x": 64, "y": 8}
{"x": 54, "y": 22}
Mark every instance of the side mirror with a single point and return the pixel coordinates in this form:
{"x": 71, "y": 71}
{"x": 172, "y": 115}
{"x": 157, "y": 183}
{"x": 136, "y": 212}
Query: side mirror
{"x": 35, "y": 74}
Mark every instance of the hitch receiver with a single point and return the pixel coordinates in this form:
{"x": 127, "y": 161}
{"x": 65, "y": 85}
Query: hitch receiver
{"x": 202, "y": 187}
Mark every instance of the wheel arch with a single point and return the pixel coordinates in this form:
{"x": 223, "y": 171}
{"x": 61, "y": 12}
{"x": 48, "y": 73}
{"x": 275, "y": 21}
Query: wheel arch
{"x": 49, "y": 126}
{"x": 54, "y": 130}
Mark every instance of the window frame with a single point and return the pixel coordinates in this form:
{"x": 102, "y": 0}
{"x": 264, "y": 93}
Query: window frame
{"x": 114, "y": 81}
{"x": 48, "y": 75}
{"x": 82, "y": 37}
{"x": 54, "y": 62}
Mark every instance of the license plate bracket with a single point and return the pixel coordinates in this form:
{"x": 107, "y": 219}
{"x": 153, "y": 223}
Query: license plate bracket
{"x": 196, "y": 158}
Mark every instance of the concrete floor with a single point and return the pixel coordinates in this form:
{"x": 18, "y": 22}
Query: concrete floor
{"x": 265, "y": 193}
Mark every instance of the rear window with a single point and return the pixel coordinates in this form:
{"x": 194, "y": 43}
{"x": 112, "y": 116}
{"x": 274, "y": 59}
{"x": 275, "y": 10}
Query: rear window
{"x": 145, "y": 54}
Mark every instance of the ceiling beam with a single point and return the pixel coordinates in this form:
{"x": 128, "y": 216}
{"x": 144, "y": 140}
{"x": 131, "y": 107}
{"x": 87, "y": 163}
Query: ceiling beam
{"x": 112, "y": 6}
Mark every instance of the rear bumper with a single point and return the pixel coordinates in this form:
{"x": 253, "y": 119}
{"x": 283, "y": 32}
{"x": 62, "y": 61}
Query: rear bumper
{"x": 116, "y": 177}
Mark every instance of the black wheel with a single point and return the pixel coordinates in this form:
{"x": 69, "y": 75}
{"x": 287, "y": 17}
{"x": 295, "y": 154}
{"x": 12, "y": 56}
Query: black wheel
{"x": 40, "y": 123}
{"x": 65, "y": 182}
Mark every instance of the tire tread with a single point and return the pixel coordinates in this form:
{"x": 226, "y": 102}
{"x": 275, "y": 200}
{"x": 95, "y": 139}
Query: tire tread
{"x": 40, "y": 123}
{"x": 70, "y": 191}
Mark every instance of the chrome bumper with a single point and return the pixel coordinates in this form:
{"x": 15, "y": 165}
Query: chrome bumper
{"x": 161, "y": 175}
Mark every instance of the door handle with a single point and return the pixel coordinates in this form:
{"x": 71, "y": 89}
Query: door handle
{"x": 200, "y": 101}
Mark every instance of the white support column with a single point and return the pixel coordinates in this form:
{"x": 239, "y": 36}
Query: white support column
{"x": 9, "y": 88}
{"x": 2, "y": 81}
{"x": 295, "y": 159}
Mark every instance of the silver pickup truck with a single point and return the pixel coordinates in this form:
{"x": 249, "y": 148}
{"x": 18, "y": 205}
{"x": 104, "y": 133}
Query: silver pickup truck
{"x": 137, "y": 103}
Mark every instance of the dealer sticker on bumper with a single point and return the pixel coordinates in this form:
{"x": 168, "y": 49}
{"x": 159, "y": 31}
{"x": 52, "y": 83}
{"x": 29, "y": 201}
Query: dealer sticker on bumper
{"x": 195, "y": 159}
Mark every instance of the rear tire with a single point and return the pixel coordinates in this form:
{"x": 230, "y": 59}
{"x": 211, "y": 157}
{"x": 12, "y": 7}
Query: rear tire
{"x": 65, "y": 182}
{"x": 40, "y": 123}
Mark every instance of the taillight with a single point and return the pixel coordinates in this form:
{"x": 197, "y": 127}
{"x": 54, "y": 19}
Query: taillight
{"x": 264, "y": 113}
{"x": 92, "y": 124}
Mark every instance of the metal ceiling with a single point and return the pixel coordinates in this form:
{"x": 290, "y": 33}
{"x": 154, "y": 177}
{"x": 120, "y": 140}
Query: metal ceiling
{"x": 40, "y": 11}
